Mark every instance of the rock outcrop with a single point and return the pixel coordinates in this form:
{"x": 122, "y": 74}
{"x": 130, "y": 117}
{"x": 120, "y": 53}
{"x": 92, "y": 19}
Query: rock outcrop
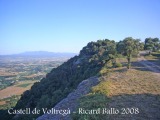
{"x": 71, "y": 101}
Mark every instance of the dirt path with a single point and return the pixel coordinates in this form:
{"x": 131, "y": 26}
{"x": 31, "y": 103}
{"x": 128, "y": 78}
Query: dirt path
{"x": 150, "y": 66}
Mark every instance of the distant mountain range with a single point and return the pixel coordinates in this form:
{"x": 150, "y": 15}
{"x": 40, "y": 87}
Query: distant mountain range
{"x": 42, "y": 54}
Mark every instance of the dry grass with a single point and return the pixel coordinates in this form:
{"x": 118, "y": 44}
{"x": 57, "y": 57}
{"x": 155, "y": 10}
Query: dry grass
{"x": 133, "y": 81}
{"x": 137, "y": 87}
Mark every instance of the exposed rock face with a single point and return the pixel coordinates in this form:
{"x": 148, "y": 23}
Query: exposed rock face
{"x": 70, "y": 103}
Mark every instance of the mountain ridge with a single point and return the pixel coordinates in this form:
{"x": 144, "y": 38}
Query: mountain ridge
{"x": 64, "y": 79}
{"x": 42, "y": 53}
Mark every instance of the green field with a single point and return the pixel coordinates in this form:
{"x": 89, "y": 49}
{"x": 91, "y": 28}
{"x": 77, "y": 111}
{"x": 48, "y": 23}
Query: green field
{"x": 24, "y": 85}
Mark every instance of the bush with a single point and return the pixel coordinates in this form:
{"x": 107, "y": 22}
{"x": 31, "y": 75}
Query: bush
{"x": 118, "y": 65}
{"x": 119, "y": 56}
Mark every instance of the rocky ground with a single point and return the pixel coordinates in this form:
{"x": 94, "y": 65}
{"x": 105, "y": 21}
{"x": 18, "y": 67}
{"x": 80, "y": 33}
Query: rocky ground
{"x": 71, "y": 101}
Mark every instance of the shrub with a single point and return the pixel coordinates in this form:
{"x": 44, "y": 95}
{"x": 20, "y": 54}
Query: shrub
{"x": 118, "y": 65}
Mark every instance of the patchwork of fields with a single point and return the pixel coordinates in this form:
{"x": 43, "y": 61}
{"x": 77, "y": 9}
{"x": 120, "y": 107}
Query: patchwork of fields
{"x": 18, "y": 74}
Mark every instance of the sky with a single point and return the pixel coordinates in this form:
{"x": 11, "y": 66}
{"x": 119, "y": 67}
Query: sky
{"x": 68, "y": 25}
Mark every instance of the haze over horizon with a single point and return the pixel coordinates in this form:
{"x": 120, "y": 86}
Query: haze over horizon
{"x": 41, "y": 53}
{"x": 67, "y": 26}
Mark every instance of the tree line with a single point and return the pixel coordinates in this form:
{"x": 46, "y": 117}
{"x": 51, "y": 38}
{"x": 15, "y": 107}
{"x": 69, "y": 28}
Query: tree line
{"x": 130, "y": 46}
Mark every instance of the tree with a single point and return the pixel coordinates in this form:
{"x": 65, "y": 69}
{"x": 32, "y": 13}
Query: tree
{"x": 128, "y": 47}
{"x": 152, "y": 44}
{"x": 141, "y": 46}
{"x": 156, "y": 43}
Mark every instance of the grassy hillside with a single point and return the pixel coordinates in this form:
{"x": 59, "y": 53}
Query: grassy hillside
{"x": 65, "y": 78}
{"x": 137, "y": 89}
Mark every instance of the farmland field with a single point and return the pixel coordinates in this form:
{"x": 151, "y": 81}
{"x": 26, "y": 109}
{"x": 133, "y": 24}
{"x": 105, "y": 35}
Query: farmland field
{"x": 17, "y": 89}
{"x": 18, "y": 74}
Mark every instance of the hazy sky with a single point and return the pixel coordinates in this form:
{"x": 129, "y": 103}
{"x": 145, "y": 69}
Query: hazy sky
{"x": 68, "y": 25}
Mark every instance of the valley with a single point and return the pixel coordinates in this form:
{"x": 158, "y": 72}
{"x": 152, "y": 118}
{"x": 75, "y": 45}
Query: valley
{"x": 19, "y": 73}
